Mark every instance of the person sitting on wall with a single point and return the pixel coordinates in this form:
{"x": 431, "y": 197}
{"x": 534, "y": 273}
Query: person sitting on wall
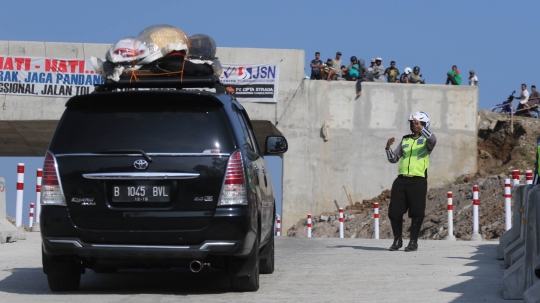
{"x": 404, "y": 77}
{"x": 361, "y": 78}
{"x": 453, "y": 76}
{"x": 415, "y": 76}
{"x": 329, "y": 71}
{"x": 353, "y": 69}
{"x": 344, "y": 73}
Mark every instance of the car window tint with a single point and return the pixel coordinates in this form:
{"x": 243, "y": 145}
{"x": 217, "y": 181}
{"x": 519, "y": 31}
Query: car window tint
{"x": 251, "y": 135}
{"x": 151, "y": 129}
{"x": 246, "y": 139}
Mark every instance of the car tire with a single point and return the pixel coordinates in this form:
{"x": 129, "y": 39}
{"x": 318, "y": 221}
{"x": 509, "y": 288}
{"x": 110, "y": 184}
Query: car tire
{"x": 64, "y": 282}
{"x": 267, "y": 265}
{"x": 58, "y": 277}
{"x": 250, "y": 282}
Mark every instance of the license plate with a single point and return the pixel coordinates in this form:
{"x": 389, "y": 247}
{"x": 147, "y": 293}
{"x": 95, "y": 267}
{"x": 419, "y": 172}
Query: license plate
{"x": 141, "y": 193}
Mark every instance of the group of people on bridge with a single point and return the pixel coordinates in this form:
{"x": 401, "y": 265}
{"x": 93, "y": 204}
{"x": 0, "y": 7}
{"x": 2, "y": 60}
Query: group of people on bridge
{"x": 333, "y": 69}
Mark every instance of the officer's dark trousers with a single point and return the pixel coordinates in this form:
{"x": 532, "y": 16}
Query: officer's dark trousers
{"x": 408, "y": 194}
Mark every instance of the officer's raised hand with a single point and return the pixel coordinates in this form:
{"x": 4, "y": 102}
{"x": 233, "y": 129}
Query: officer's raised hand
{"x": 416, "y": 126}
{"x": 390, "y": 142}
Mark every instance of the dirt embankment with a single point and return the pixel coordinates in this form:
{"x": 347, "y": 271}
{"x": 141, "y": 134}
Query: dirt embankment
{"x": 499, "y": 151}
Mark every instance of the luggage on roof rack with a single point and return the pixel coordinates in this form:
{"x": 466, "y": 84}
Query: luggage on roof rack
{"x": 160, "y": 82}
{"x": 162, "y": 50}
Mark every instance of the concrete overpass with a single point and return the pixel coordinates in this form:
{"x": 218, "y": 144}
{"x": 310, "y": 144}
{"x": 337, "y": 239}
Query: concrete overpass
{"x": 334, "y": 140}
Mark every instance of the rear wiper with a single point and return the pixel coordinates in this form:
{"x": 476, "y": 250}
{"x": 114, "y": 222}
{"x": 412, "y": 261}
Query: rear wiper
{"x": 128, "y": 151}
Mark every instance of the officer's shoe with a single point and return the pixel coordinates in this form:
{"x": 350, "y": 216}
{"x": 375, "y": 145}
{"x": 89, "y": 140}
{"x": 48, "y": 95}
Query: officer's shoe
{"x": 413, "y": 246}
{"x": 398, "y": 243}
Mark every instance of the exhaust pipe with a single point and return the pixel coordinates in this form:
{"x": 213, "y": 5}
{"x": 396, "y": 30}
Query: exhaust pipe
{"x": 196, "y": 266}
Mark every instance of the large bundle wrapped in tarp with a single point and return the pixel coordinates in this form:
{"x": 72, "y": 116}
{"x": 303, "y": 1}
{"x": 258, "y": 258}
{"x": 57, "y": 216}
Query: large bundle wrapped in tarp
{"x": 160, "y": 50}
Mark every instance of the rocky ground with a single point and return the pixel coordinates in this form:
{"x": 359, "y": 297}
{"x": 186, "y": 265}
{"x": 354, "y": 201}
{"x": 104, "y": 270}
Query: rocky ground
{"x": 499, "y": 152}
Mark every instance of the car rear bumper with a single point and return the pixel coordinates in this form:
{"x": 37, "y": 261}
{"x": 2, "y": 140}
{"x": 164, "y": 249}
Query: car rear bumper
{"x": 74, "y": 246}
{"x": 230, "y": 233}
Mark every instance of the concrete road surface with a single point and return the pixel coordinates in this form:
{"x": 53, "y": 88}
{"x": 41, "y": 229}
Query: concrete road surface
{"x": 307, "y": 270}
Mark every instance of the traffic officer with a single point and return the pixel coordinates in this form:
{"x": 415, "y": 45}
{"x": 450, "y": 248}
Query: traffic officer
{"x": 410, "y": 187}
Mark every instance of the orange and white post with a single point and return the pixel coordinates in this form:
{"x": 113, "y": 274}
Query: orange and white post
{"x": 475, "y": 235}
{"x": 529, "y": 177}
{"x": 376, "y": 219}
{"x": 39, "y": 174}
{"x": 31, "y": 217}
{"x": 278, "y": 226}
{"x": 507, "y": 204}
{"x": 20, "y": 189}
{"x": 341, "y": 223}
{"x": 450, "y": 207}
{"x": 309, "y": 225}
{"x": 515, "y": 176}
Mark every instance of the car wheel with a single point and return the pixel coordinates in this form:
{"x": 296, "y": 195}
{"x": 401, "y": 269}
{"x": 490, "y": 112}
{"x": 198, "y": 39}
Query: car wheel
{"x": 267, "y": 265}
{"x": 105, "y": 270}
{"x": 250, "y": 282}
{"x": 62, "y": 275}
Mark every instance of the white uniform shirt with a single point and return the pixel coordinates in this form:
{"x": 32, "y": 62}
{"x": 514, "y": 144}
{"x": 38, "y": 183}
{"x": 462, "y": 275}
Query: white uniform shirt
{"x": 525, "y": 97}
{"x": 473, "y": 80}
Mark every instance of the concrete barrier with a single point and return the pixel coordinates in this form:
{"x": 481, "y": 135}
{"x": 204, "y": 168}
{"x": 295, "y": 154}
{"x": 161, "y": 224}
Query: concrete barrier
{"x": 520, "y": 276}
{"x": 532, "y": 251}
{"x": 520, "y": 198}
{"x": 8, "y": 232}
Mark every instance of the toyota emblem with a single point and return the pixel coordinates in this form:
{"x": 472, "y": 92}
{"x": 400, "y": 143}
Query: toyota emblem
{"x": 140, "y": 164}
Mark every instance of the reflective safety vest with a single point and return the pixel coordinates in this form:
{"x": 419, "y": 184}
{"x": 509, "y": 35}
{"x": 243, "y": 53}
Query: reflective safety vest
{"x": 415, "y": 157}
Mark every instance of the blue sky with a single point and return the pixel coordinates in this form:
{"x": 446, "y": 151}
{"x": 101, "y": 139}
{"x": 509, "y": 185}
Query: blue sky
{"x": 498, "y": 39}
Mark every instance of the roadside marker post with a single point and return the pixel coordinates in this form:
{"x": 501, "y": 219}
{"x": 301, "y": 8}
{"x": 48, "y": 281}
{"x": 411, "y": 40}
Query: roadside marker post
{"x": 31, "y": 217}
{"x": 515, "y": 176}
{"x": 475, "y": 235}
{"x": 376, "y": 219}
{"x": 278, "y": 226}
{"x": 507, "y": 205}
{"x": 309, "y": 225}
{"x": 450, "y": 208}
{"x": 529, "y": 177}
{"x": 20, "y": 190}
{"x": 341, "y": 223}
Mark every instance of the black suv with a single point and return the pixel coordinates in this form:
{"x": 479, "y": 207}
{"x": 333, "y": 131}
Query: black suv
{"x": 157, "y": 179}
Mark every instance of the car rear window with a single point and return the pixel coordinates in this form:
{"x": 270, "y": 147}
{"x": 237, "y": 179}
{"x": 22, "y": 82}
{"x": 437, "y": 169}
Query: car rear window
{"x": 153, "y": 129}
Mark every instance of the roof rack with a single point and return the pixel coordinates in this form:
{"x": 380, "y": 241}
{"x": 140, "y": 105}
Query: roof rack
{"x": 162, "y": 81}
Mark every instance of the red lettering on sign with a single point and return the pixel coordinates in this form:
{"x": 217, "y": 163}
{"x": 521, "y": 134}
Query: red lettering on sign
{"x": 62, "y": 68}
{"x": 9, "y": 64}
{"x": 27, "y": 62}
{"x": 73, "y": 65}
{"x": 49, "y": 65}
{"x": 81, "y": 66}
{"x": 19, "y": 63}
{"x": 1, "y": 62}
{"x": 52, "y": 65}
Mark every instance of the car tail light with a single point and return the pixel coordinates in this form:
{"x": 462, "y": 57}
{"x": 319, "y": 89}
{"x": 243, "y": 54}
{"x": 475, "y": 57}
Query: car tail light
{"x": 234, "y": 188}
{"x": 51, "y": 190}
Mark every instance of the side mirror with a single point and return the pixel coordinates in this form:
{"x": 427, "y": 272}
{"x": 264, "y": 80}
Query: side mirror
{"x": 276, "y": 145}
